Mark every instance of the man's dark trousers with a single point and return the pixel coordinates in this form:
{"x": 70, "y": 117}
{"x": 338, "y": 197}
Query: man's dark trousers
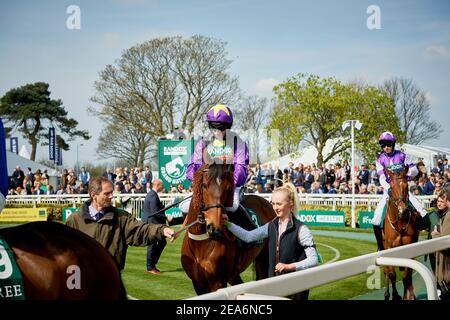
{"x": 154, "y": 250}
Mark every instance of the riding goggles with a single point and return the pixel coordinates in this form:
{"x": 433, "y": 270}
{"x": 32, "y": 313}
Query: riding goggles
{"x": 386, "y": 144}
{"x": 218, "y": 125}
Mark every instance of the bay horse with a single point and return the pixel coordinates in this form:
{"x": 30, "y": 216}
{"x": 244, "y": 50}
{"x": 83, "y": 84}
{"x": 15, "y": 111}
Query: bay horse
{"x": 51, "y": 255}
{"x": 210, "y": 254}
{"x": 400, "y": 228}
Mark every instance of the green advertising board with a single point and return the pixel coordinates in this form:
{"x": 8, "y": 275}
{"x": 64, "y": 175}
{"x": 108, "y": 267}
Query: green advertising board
{"x": 365, "y": 219}
{"x": 173, "y": 159}
{"x": 322, "y": 218}
{"x": 66, "y": 212}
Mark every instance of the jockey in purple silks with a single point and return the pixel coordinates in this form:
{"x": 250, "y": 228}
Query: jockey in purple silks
{"x": 225, "y": 147}
{"x": 390, "y": 157}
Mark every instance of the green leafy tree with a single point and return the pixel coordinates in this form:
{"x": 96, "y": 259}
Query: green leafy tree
{"x": 30, "y": 110}
{"x": 313, "y": 109}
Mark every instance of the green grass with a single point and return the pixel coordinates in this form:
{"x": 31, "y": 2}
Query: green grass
{"x": 173, "y": 284}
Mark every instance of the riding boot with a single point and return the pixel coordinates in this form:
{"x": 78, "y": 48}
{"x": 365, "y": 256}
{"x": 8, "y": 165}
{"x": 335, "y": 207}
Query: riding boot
{"x": 379, "y": 236}
{"x": 244, "y": 218}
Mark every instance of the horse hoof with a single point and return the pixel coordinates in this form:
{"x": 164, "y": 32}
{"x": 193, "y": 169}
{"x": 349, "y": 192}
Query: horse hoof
{"x": 396, "y": 298}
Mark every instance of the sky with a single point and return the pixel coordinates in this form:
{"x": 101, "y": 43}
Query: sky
{"x": 268, "y": 41}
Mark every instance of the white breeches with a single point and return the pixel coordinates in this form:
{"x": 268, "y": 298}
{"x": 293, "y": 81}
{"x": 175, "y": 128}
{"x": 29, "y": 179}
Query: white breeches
{"x": 184, "y": 206}
{"x": 379, "y": 210}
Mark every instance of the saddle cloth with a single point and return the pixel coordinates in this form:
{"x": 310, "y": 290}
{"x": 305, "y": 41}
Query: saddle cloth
{"x": 11, "y": 282}
{"x": 248, "y": 220}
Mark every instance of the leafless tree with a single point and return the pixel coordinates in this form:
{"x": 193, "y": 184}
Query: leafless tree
{"x": 252, "y": 117}
{"x": 119, "y": 141}
{"x": 163, "y": 83}
{"x": 413, "y": 110}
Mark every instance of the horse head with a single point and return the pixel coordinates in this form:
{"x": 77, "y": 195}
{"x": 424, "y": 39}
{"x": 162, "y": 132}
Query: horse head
{"x": 399, "y": 189}
{"x": 213, "y": 192}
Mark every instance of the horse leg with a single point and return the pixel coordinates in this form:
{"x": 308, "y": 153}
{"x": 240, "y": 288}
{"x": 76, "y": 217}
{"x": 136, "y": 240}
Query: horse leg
{"x": 408, "y": 292}
{"x": 393, "y": 278}
{"x": 387, "y": 295}
{"x": 199, "y": 288}
{"x": 215, "y": 285}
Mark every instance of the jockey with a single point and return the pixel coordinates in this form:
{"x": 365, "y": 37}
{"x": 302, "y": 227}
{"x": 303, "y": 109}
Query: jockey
{"x": 391, "y": 157}
{"x": 225, "y": 146}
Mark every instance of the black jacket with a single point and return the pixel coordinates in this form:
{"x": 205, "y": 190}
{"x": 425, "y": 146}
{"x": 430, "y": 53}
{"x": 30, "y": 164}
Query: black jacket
{"x": 289, "y": 249}
{"x": 152, "y": 204}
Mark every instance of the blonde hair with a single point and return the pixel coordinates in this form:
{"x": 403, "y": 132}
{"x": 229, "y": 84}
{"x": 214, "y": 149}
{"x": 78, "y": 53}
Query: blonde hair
{"x": 291, "y": 192}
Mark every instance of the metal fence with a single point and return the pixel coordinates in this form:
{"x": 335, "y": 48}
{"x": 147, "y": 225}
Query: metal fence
{"x": 287, "y": 284}
{"x": 133, "y": 203}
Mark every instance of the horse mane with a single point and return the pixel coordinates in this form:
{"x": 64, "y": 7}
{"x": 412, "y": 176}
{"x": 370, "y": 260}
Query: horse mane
{"x": 197, "y": 197}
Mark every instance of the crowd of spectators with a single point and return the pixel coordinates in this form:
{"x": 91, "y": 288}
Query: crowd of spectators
{"x": 335, "y": 178}
{"x": 332, "y": 178}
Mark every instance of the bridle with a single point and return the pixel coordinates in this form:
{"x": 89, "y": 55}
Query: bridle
{"x": 396, "y": 202}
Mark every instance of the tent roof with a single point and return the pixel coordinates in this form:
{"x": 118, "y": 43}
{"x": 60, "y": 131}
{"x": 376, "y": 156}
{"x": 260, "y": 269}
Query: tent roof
{"x": 14, "y": 160}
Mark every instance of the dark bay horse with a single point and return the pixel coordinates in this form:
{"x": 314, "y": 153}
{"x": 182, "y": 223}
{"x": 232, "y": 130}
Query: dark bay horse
{"x": 51, "y": 256}
{"x": 400, "y": 228}
{"x": 210, "y": 254}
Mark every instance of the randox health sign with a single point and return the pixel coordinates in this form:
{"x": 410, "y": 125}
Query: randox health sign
{"x": 173, "y": 159}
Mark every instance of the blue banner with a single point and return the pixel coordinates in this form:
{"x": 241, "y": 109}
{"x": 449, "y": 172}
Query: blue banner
{"x": 51, "y": 143}
{"x": 58, "y": 155}
{"x": 14, "y": 145}
{"x": 3, "y": 167}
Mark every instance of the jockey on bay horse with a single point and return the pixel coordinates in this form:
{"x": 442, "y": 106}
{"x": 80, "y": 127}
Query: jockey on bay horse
{"x": 224, "y": 147}
{"x": 391, "y": 158}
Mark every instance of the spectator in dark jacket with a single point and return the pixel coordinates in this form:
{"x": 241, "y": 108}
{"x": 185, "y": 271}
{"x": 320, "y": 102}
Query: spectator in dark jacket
{"x": 18, "y": 177}
{"x": 153, "y": 215}
{"x": 364, "y": 175}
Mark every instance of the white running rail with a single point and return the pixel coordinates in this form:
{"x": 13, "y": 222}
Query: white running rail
{"x": 294, "y": 282}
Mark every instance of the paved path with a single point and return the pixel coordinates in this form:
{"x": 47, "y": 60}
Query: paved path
{"x": 345, "y": 234}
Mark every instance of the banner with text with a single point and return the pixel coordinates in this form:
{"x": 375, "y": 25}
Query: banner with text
{"x": 322, "y": 218}
{"x": 51, "y": 143}
{"x": 66, "y": 212}
{"x": 23, "y": 214}
{"x": 365, "y": 219}
{"x": 173, "y": 159}
{"x": 58, "y": 155}
{"x": 14, "y": 145}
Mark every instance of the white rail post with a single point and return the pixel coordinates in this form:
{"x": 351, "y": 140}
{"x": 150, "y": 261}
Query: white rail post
{"x": 426, "y": 274}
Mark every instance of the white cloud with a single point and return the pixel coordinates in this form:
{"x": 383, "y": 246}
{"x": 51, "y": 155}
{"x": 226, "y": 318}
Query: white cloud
{"x": 438, "y": 51}
{"x": 265, "y": 86}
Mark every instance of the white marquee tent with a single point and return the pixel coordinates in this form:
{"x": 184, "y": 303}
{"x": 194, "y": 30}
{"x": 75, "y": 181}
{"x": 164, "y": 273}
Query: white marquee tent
{"x": 308, "y": 155}
{"x": 14, "y": 160}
